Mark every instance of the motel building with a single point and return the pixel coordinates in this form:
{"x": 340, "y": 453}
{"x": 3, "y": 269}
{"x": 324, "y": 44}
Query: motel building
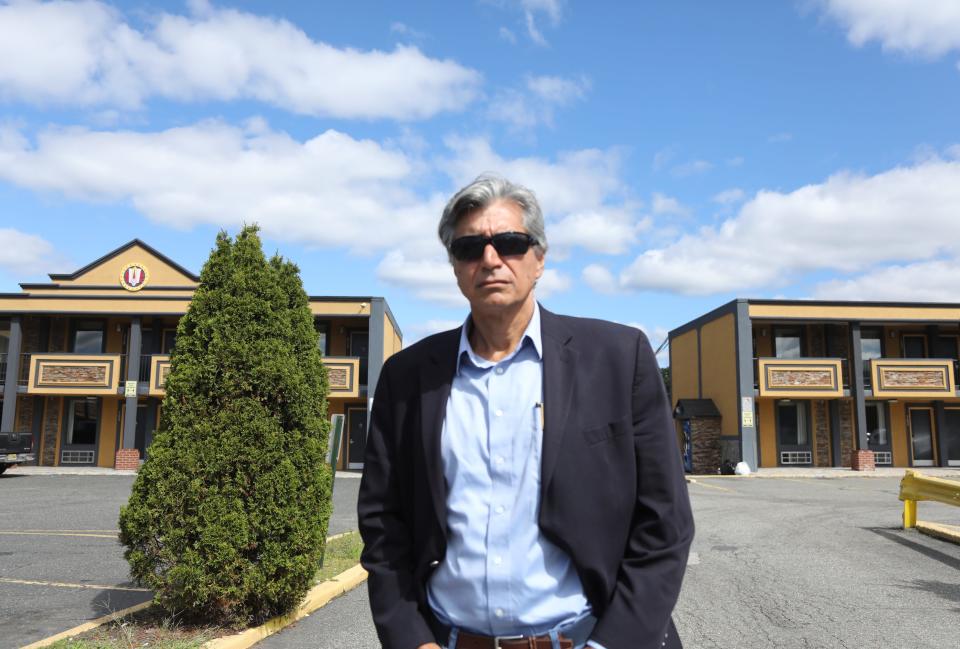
{"x": 83, "y": 358}
{"x": 780, "y": 383}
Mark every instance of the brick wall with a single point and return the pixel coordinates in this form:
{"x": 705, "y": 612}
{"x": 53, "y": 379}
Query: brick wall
{"x": 705, "y": 433}
{"x": 50, "y": 430}
{"x": 846, "y": 432}
{"x": 821, "y": 431}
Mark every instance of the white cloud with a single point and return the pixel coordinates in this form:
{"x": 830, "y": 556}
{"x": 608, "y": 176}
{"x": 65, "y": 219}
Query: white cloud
{"x": 429, "y": 278}
{"x": 656, "y": 336}
{"x": 663, "y": 204}
{"x": 25, "y": 254}
{"x": 780, "y": 138}
{"x": 929, "y": 281}
{"x": 421, "y": 330}
{"x": 608, "y": 231}
{"x": 552, "y": 282}
{"x": 329, "y": 190}
{"x": 728, "y": 196}
{"x": 849, "y": 223}
{"x": 927, "y": 27}
{"x": 508, "y": 36}
{"x": 735, "y": 161}
{"x": 406, "y": 30}
{"x": 85, "y": 53}
{"x": 576, "y": 181}
{"x": 533, "y": 11}
{"x": 537, "y": 103}
{"x": 600, "y": 279}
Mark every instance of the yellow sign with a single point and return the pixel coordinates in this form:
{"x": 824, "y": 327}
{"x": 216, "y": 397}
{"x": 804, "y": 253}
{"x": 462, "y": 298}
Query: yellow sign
{"x": 130, "y": 389}
{"x": 748, "y": 419}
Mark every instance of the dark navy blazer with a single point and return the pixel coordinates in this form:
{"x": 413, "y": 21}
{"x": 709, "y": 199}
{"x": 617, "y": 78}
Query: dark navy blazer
{"x": 613, "y": 494}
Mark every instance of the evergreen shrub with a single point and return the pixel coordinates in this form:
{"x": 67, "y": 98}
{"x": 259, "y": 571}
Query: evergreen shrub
{"x": 227, "y": 517}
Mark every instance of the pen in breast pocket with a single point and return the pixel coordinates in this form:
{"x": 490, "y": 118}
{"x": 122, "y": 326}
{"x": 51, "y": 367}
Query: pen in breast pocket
{"x": 539, "y": 408}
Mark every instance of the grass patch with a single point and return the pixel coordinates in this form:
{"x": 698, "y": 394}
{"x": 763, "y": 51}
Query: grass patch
{"x": 156, "y": 628}
{"x": 342, "y": 552}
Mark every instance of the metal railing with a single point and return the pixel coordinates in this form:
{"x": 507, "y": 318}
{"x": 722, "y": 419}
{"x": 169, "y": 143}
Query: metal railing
{"x": 916, "y": 487}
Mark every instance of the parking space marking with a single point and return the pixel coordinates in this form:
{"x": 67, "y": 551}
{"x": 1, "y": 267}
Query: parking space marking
{"x": 711, "y": 486}
{"x": 60, "y": 584}
{"x": 57, "y": 533}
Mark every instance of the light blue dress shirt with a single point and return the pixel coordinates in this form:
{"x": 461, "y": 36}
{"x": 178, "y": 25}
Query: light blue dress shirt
{"x": 500, "y": 575}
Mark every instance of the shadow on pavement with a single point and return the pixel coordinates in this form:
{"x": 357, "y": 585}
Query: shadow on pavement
{"x": 895, "y": 534}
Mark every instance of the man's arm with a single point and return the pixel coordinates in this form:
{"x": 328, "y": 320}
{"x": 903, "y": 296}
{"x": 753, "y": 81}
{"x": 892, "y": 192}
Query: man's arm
{"x": 655, "y": 558}
{"x": 388, "y": 552}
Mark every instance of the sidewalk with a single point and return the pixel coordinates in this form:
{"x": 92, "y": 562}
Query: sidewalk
{"x": 107, "y": 471}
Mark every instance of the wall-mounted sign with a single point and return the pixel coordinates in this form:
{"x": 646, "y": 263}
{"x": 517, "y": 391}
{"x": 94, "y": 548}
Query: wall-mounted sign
{"x": 746, "y": 408}
{"x": 130, "y": 389}
{"x": 134, "y": 277}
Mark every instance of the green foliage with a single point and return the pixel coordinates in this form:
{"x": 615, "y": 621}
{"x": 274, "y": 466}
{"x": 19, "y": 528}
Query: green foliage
{"x": 227, "y": 517}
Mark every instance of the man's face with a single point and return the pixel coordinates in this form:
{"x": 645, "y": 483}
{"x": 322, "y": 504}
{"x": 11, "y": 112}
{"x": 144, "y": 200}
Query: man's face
{"x": 493, "y": 282}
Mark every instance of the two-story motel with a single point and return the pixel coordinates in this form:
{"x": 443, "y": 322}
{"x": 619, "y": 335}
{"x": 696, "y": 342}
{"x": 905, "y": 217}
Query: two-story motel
{"x": 83, "y": 359}
{"x": 825, "y": 384}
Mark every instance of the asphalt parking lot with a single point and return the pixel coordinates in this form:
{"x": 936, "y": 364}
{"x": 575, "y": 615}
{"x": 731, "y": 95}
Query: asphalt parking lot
{"x": 786, "y": 563}
{"x": 60, "y": 561}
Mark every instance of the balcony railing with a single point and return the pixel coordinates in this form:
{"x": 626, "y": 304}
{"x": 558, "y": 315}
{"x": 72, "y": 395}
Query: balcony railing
{"x": 913, "y": 377}
{"x": 69, "y": 374}
{"x": 800, "y": 377}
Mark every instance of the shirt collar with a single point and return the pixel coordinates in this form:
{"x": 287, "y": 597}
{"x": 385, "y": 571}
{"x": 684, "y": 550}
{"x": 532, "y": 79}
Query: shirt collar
{"x": 531, "y": 333}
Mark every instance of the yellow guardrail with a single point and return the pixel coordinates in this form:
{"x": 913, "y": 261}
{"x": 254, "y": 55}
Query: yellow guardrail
{"x": 916, "y": 487}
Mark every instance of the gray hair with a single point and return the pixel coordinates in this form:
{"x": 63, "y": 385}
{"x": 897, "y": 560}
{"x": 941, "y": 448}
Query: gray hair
{"x": 484, "y": 191}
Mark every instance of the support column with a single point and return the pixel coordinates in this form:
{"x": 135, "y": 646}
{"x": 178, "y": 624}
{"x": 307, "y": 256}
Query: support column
{"x": 862, "y": 459}
{"x": 748, "y": 432}
{"x": 128, "y": 457}
{"x": 12, "y": 377}
{"x": 375, "y": 335}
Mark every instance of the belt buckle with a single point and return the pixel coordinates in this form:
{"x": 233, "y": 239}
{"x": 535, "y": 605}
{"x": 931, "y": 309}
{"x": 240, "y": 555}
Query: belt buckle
{"x": 498, "y": 638}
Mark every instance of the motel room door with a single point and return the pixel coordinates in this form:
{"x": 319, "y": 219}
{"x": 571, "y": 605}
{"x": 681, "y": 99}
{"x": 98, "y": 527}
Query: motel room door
{"x": 920, "y": 421}
{"x": 356, "y": 437}
{"x": 81, "y": 423}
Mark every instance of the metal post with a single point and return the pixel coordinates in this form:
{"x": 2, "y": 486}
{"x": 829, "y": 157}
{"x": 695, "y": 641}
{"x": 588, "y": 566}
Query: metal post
{"x": 8, "y": 419}
{"x": 133, "y": 374}
{"x": 375, "y": 334}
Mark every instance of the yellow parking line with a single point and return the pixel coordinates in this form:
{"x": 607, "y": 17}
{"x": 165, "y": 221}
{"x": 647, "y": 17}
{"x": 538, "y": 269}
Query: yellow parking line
{"x": 60, "y": 584}
{"x": 58, "y": 533}
{"x": 710, "y": 486}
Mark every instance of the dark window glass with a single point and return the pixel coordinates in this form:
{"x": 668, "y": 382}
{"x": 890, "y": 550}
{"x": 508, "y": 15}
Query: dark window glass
{"x": 792, "y": 425}
{"x": 943, "y": 347}
{"x": 4, "y": 340}
{"x": 82, "y": 425}
{"x": 877, "y": 425}
{"x": 914, "y": 347}
{"x": 953, "y": 435}
{"x": 921, "y": 435}
{"x": 88, "y": 338}
{"x": 169, "y": 340}
{"x": 323, "y": 343}
{"x": 787, "y": 343}
{"x": 360, "y": 346}
{"x": 871, "y": 346}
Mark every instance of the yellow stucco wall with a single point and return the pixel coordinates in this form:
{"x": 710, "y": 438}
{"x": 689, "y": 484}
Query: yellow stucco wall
{"x": 159, "y": 273}
{"x": 106, "y": 452}
{"x": 719, "y": 366}
{"x": 764, "y": 342}
{"x": 853, "y": 312}
{"x": 333, "y": 308}
{"x": 898, "y": 434}
{"x": 768, "y": 432}
{"x": 684, "y": 373}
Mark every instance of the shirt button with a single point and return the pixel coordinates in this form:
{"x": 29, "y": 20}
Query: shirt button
{"x": 498, "y": 612}
{"x": 499, "y": 509}
{"x": 499, "y": 459}
{"x": 497, "y": 560}
{"x": 498, "y": 413}
{"x": 499, "y": 370}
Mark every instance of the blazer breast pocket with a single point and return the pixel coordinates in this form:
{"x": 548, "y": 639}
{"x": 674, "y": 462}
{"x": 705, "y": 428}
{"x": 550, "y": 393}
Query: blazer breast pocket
{"x": 608, "y": 432}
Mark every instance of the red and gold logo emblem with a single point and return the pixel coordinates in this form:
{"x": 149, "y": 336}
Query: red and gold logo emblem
{"x": 134, "y": 277}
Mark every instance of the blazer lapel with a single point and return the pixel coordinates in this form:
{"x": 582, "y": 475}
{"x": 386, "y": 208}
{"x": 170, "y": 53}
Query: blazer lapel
{"x": 436, "y": 376}
{"x": 559, "y": 378}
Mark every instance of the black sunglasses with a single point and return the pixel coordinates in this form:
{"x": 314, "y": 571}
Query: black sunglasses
{"x": 506, "y": 244}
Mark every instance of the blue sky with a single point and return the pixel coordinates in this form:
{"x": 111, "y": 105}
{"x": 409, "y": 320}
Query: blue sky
{"x": 685, "y": 153}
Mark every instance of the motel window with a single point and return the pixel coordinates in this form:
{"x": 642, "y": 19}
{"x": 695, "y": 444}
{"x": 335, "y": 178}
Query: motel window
{"x": 877, "y": 424}
{"x": 914, "y": 346}
{"x": 792, "y": 424}
{"x": 4, "y": 338}
{"x": 787, "y": 342}
{"x": 943, "y": 347}
{"x": 871, "y": 346}
{"x": 88, "y": 337}
{"x": 323, "y": 328}
{"x": 169, "y": 340}
{"x": 82, "y": 416}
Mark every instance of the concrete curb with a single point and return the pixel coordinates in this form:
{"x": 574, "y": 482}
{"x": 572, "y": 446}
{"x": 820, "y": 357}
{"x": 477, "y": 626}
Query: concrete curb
{"x": 317, "y": 597}
{"x": 88, "y": 626}
{"x": 938, "y": 530}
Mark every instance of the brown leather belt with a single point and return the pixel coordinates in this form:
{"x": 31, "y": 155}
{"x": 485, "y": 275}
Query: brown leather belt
{"x": 470, "y": 641}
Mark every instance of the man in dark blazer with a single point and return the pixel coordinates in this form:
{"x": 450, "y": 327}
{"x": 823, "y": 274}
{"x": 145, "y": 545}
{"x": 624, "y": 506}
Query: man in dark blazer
{"x": 599, "y": 555}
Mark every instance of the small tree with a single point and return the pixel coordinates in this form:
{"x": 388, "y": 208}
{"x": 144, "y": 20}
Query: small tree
{"x": 228, "y": 516}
